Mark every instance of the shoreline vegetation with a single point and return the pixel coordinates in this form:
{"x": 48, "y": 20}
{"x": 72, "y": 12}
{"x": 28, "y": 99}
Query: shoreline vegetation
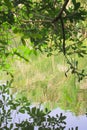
{"x": 43, "y": 81}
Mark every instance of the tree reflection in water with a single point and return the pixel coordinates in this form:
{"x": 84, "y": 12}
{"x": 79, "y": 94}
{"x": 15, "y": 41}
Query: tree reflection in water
{"x": 18, "y": 114}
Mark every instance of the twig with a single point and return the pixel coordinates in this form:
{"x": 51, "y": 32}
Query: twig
{"x": 40, "y": 21}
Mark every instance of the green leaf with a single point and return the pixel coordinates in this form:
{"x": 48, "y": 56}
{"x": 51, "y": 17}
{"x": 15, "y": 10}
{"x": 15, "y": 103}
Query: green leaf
{"x": 23, "y": 41}
{"x": 8, "y": 3}
{"x": 63, "y": 117}
{"x": 1, "y": 103}
{"x": 74, "y": 2}
{"x": 11, "y": 126}
{"x": 22, "y": 111}
{"x": 33, "y": 110}
{"x": 77, "y": 6}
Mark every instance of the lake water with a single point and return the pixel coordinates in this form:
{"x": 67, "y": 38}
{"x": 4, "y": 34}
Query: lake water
{"x": 71, "y": 120}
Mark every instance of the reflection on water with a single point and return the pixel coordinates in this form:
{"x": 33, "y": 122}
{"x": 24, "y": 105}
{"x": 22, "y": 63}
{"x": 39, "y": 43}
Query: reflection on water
{"x": 72, "y": 120}
{"x": 71, "y": 98}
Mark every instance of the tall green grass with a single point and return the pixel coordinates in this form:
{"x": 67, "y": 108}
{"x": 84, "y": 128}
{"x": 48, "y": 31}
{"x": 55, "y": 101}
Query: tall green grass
{"x": 43, "y": 80}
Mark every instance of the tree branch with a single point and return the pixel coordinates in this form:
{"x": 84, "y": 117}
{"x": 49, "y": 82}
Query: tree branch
{"x": 61, "y": 11}
{"x": 63, "y": 35}
{"x": 36, "y": 21}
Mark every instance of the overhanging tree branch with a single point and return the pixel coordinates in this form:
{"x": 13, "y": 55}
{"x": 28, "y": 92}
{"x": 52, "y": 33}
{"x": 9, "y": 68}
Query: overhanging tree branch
{"x": 60, "y": 12}
{"x": 59, "y": 17}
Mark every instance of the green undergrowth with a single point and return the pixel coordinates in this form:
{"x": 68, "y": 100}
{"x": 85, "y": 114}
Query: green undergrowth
{"x": 43, "y": 81}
